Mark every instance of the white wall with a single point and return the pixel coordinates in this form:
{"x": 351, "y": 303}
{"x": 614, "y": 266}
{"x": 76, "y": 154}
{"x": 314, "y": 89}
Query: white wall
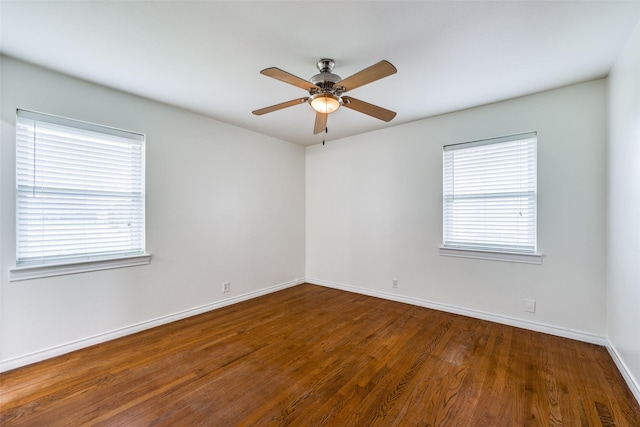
{"x": 374, "y": 212}
{"x": 623, "y": 228}
{"x": 223, "y": 204}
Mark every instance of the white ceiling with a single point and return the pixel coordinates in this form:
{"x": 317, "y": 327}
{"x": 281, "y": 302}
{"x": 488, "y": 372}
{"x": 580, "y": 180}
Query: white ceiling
{"x": 206, "y": 56}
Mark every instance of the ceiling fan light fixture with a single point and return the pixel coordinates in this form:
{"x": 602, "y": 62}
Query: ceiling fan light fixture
{"x": 325, "y": 103}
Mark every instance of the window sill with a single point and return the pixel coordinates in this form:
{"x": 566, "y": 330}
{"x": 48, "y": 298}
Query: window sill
{"x": 40, "y": 271}
{"x": 492, "y": 256}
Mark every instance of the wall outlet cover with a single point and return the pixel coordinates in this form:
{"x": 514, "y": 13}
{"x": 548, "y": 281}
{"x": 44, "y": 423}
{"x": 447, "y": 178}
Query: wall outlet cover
{"x": 530, "y": 305}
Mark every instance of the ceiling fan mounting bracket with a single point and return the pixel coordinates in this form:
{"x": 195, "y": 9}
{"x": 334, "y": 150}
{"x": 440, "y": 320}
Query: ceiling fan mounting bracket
{"x": 325, "y": 65}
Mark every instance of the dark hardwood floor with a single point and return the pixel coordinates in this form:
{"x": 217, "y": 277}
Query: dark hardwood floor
{"x": 313, "y": 356}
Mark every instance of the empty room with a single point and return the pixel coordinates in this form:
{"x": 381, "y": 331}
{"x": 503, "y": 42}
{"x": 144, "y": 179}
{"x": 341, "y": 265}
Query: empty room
{"x": 320, "y": 213}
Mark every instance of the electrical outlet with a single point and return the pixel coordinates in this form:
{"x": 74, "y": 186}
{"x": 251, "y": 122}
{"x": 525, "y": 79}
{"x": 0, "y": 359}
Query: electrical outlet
{"x": 225, "y": 286}
{"x": 530, "y": 305}
{"x": 394, "y": 283}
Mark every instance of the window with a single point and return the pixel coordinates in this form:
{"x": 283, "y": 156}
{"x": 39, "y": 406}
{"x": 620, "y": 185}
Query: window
{"x": 79, "y": 195}
{"x": 489, "y": 199}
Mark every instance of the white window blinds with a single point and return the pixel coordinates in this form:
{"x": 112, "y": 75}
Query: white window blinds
{"x": 490, "y": 194}
{"x": 80, "y": 191}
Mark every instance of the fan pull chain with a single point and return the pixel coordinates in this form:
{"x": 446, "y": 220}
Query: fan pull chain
{"x": 326, "y": 130}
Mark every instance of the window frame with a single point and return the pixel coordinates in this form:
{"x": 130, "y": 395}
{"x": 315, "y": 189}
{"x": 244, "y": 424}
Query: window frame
{"x": 90, "y": 260}
{"x": 488, "y": 253}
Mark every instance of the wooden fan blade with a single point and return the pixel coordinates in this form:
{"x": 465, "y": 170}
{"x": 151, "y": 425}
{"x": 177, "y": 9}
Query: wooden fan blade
{"x": 366, "y": 108}
{"x": 280, "y": 106}
{"x": 321, "y": 123}
{"x": 368, "y": 75}
{"x": 283, "y": 76}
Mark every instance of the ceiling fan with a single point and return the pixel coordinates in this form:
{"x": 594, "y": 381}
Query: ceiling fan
{"x": 326, "y": 89}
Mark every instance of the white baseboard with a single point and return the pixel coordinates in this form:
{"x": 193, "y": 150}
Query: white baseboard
{"x": 497, "y": 318}
{"x": 624, "y": 371}
{"x": 17, "y": 362}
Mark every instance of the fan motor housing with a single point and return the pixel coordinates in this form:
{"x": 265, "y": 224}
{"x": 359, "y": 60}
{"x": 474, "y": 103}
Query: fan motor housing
{"x": 325, "y": 78}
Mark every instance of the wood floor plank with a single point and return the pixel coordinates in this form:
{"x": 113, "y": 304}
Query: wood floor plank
{"x": 491, "y": 387}
{"x": 315, "y": 356}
